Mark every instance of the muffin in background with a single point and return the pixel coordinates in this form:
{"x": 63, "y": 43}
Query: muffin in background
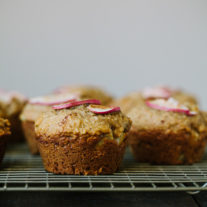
{"x": 87, "y": 92}
{"x": 130, "y": 100}
{"x": 28, "y": 116}
{"x": 82, "y": 138}
{"x": 4, "y": 132}
{"x": 34, "y": 108}
{"x": 167, "y": 132}
{"x": 167, "y": 126}
{"x": 11, "y": 105}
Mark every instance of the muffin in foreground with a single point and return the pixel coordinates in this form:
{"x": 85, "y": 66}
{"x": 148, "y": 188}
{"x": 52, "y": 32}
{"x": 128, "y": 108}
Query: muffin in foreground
{"x": 82, "y": 138}
{"x": 37, "y": 105}
{"x": 11, "y": 105}
{"x": 165, "y": 131}
{"x": 87, "y": 92}
{"x": 33, "y": 109}
{"x": 4, "y": 132}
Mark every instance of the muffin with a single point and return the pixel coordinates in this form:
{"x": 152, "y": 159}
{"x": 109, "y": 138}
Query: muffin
{"x": 82, "y": 138}
{"x": 129, "y": 101}
{"x": 28, "y": 116}
{"x": 4, "y": 132}
{"x": 165, "y": 131}
{"x": 37, "y": 105}
{"x": 33, "y": 109}
{"x": 87, "y": 92}
{"x": 11, "y": 105}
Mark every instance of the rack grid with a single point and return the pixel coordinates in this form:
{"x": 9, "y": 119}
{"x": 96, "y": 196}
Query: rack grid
{"x": 21, "y": 171}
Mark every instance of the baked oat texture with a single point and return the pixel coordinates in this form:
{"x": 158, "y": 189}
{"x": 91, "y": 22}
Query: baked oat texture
{"x": 77, "y": 141}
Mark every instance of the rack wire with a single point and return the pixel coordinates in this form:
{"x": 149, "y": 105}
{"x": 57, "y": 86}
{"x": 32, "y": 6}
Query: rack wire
{"x": 21, "y": 171}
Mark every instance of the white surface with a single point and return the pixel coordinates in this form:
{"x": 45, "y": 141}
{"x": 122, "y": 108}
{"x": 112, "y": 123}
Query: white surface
{"x": 121, "y": 45}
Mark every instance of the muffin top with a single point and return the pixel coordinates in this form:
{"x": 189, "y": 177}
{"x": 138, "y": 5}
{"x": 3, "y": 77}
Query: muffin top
{"x": 184, "y": 97}
{"x": 149, "y": 119}
{"x": 11, "y": 103}
{"x": 32, "y": 111}
{"x": 87, "y": 92}
{"x": 78, "y": 121}
{"x": 129, "y": 101}
{"x": 4, "y": 127}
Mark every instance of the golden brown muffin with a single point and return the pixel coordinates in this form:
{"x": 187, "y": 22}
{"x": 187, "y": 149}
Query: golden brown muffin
{"x": 166, "y": 137}
{"x": 77, "y": 141}
{"x": 28, "y": 116}
{"x": 32, "y": 111}
{"x": 11, "y": 105}
{"x": 129, "y": 101}
{"x": 4, "y": 132}
{"x": 87, "y": 92}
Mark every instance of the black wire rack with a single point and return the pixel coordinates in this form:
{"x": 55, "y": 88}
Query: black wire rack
{"x": 21, "y": 171}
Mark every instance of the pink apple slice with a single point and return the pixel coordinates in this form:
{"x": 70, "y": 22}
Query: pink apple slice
{"x": 157, "y": 92}
{"x": 169, "y": 105}
{"x": 76, "y": 103}
{"x": 99, "y": 109}
{"x": 53, "y": 99}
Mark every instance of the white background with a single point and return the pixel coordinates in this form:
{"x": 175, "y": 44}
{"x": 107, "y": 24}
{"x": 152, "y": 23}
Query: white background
{"x": 119, "y": 44}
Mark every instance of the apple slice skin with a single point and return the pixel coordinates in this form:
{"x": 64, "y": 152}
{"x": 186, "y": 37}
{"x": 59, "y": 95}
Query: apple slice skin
{"x": 76, "y": 103}
{"x": 163, "y": 108}
{"x": 105, "y": 110}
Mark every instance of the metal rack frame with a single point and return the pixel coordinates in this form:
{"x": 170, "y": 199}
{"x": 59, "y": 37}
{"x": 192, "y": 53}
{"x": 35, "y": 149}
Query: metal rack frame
{"x": 23, "y": 172}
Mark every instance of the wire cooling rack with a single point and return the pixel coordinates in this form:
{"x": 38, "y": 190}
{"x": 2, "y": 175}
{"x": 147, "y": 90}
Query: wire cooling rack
{"x": 21, "y": 171}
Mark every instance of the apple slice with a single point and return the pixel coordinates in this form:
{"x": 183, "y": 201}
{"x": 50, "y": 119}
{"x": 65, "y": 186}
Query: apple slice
{"x": 53, "y": 99}
{"x": 99, "y": 109}
{"x": 157, "y": 92}
{"x": 169, "y": 105}
{"x": 76, "y": 103}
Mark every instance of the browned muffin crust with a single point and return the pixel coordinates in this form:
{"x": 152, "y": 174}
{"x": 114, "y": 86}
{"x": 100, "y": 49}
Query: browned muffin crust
{"x": 77, "y": 141}
{"x": 167, "y": 137}
{"x": 81, "y": 155}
